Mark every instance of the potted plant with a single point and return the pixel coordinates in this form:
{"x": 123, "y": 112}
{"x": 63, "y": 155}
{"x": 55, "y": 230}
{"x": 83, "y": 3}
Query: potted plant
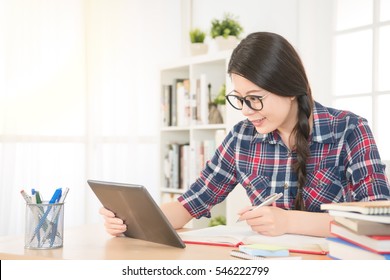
{"x": 226, "y": 32}
{"x": 197, "y": 38}
{"x": 217, "y": 107}
{"x": 219, "y": 220}
{"x": 220, "y": 99}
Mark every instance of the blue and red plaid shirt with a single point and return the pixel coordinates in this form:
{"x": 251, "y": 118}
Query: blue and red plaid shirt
{"x": 344, "y": 165}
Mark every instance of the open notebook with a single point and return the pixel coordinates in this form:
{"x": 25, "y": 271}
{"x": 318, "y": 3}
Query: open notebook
{"x": 233, "y": 236}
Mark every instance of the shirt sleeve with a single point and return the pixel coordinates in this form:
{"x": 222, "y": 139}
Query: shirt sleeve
{"x": 215, "y": 182}
{"x": 366, "y": 172}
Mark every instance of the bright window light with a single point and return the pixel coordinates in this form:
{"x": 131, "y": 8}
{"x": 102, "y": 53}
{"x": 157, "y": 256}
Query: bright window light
{"x": 384, "y": 10}
{"x": 382, "y": 131}
{"x": 352, "y": 68}
{"x": 361, "y": 106}
{"x": 353, "y": 13}
{"x": 384, "y": 58}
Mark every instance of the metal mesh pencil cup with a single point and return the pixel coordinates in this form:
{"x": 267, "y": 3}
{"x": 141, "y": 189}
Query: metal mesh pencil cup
{"x": 44, "y": 228}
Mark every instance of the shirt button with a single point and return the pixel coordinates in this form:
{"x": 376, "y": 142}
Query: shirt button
{"x": 285, "y": 186}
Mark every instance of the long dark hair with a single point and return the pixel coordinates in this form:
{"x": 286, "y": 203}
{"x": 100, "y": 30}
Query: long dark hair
{"x": 271, "y": 62}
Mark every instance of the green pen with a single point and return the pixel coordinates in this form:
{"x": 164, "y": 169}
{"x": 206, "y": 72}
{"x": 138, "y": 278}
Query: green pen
{"x": 38, "y": 197}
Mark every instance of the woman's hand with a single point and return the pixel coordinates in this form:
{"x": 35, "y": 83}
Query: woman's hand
{"x": 266, "y": 220}
{"x": 114, "y": 225}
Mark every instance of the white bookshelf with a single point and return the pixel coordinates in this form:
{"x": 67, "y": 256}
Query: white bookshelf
{"x": 214, "y": 68}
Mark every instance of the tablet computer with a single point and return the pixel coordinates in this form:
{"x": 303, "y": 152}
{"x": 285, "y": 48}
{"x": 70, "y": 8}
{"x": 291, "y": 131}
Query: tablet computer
{"x": 138, "y": 210}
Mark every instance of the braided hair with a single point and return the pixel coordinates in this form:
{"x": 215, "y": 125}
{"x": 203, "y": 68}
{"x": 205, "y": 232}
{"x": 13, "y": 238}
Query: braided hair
{"x": 270, "y": 61}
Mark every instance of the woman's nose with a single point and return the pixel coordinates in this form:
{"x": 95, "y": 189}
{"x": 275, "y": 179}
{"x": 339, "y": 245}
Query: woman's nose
{"x": 246, "y": 110}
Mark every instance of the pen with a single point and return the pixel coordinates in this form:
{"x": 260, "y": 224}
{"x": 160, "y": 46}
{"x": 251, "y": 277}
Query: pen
{"x": 63, "y": 196}
{"x": 54, "y": 222}
{"x": 269, "y": 200}
{"x": 38, "y": 197}
{"x": 26, "y": 197}
{"x": 52, "y": 230}
{"x": 32, "y": 200}
{"x": 55, "y": 198}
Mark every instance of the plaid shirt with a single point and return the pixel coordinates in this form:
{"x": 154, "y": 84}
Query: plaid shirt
{"x": 344, "y": 165}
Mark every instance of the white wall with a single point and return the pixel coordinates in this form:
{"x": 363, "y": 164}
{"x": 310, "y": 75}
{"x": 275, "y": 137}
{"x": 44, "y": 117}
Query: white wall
{"x": 315, "y": 23}
{"x": 79, "y": 98}
{"x": 120, "y": 47}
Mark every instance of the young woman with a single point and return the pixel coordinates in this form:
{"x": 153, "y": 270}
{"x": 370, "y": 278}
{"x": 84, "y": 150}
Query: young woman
{"x": 287, "y": 144}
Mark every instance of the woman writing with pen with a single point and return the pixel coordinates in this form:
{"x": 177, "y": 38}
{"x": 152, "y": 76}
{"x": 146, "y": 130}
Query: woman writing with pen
{"x": 287, "y": 144}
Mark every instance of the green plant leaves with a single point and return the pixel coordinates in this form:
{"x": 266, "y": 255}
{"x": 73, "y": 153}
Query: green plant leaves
{"x": 197, "y": 35}
{"x": 219, "y": 220}
{"x": 228, "y": 26}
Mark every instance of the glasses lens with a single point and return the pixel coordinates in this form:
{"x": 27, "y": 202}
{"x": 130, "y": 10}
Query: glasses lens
{"x": 254, "y": 102}
{"x": 235, "y": 101}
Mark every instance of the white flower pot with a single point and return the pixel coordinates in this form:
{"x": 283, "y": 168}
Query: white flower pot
{"x": 198, "y": 48}
{"x": 226, "y": 43}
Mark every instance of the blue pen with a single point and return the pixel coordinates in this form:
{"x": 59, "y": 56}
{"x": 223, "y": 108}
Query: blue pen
{"x": 52, "y": 229}
{"x": 56, "y": 216}
{"x": 55, "y": 198}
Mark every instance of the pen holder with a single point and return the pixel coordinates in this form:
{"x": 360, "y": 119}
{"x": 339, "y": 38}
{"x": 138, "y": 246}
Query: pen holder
{"x": 44, "y": 226}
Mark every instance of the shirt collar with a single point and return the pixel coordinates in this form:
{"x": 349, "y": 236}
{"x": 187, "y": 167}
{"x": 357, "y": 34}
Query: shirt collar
{"x": 322, "y": 126}
{"x": 321, "y": 133}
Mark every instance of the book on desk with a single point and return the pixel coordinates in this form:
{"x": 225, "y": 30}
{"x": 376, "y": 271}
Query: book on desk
{"x": 234, "y": 236}
{"x": 376, "y": 243}
{"x": 378, "y": 207}
{"x": 363, "y": 227}
{"x": 360, "y": 230}
{"x": 341, "y": 249}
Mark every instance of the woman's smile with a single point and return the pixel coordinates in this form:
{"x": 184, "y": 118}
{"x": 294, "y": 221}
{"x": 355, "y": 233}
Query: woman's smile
{"x": 258, "y": 122}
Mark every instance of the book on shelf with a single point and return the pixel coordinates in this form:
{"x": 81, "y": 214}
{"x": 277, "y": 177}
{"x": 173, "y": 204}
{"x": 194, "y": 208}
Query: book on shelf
{"x": 184, "y": 167}
{"x": 378, "y": 207}
{"x": 177, "y": 167}
{"x": 343, "y": 250}
{"x": 385, "y": 219}
{"x": 364, "y": 227}
{"x": 234, "y": 236}
{"x": 193, "y": 107}
{"x": 171, "y": 166}
{"x": 166, "y": 109}
{"x": 376, "y": 243}
{"x": 203, "y": 99}
{"x": 173, "y": 104}
{"x": 183, "y": 105}
{"x": 202, "y": 151}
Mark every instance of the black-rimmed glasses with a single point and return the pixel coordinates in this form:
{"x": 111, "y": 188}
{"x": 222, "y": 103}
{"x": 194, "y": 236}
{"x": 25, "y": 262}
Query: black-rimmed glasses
{"x": 255, "y": 102}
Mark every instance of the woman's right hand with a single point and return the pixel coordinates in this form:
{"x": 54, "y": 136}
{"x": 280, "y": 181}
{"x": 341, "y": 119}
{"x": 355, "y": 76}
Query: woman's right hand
{"x": 114, "y": 225}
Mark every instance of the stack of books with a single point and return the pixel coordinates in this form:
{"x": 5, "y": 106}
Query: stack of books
{"x": 361, "y": 230}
